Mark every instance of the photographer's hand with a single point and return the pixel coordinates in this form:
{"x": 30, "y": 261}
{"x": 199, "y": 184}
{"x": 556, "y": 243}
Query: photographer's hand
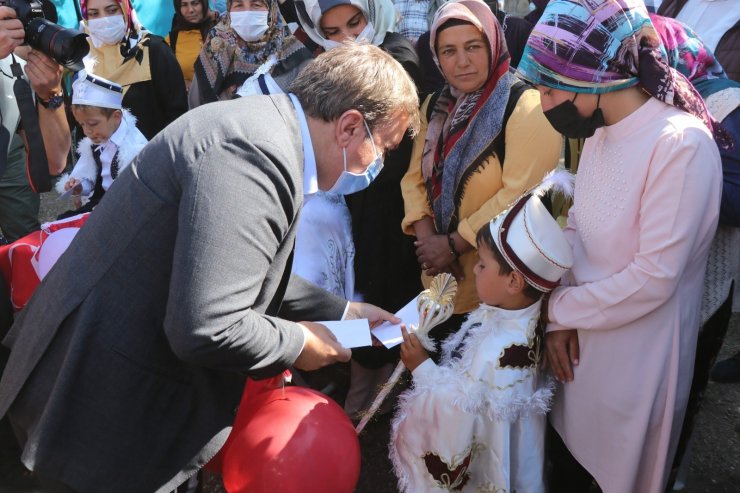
{"x": 11, "y": 31}
{"x": 44, "y": 74}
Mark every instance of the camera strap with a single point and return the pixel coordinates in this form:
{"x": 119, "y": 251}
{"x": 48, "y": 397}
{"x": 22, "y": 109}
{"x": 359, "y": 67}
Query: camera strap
{"x": 37, "y": 166}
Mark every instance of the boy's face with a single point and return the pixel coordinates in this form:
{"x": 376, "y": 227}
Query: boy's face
{"x": 96, "y": 125}
{"x": 492, "y": 287}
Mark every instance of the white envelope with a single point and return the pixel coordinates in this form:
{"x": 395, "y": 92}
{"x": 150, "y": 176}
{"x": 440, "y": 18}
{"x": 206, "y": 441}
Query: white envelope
{"x": 390, "y": 334}
{"x": 69, "y": 193}
{"x": 350, "y": 333}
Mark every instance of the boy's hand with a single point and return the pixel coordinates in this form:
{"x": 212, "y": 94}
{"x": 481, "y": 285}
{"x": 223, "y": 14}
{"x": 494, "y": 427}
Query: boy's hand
{"x": 73, "y": 183}
{"x": 412, "y": 352}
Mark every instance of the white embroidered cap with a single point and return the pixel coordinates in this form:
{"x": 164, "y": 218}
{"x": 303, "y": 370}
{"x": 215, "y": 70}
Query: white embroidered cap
{"x": 531, "y": 241}
{"x": 92, "y": 90}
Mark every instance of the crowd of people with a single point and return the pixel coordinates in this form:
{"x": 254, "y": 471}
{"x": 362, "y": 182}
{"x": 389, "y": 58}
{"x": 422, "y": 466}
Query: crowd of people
{"x": 259, "y": 165}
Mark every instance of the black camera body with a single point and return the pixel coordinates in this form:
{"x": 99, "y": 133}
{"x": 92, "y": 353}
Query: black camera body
{"x": 66, "y": 46}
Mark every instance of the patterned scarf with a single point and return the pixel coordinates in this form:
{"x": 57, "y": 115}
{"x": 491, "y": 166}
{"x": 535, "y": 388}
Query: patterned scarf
{"x": 598, "y": 46}
{"x": 687, "y": 53}
{"x": 463, "y": 126}
{"x": 227, "y": 60}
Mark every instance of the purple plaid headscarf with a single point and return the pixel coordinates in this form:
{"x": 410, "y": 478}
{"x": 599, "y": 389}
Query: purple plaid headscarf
{"x": 598, "y": 46}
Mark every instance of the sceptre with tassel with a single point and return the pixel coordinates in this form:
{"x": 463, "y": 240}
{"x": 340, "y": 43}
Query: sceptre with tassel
{"x": 435, "y": 305}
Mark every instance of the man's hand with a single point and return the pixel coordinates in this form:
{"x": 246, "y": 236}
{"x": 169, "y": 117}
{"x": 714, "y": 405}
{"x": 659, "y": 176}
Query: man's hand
{"x": 44, "y": 74}
{"x": 562, "y": 353}
{"x": 412, "y": 352}
{"x": 374, "y": 315}
{"x": 11, "y": 31}
{"x": 320, "y": 349}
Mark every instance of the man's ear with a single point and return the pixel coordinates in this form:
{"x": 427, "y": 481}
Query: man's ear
{"x": 348, "y": 125}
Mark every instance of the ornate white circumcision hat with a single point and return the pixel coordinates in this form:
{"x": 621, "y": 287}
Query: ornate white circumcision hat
{"x": 532, "y": 243}
{"x": 92, "y": 90}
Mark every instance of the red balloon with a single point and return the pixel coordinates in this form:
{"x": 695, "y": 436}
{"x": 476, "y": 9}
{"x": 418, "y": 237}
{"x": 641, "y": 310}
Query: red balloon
{"x": 290, "y": 440}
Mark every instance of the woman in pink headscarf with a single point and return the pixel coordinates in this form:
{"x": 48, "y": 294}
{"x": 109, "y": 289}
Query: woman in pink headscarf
{"x": 474, "y": 154}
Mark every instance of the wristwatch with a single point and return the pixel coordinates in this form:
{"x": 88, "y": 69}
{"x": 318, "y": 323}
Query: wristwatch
{"x": 55, "y": 101}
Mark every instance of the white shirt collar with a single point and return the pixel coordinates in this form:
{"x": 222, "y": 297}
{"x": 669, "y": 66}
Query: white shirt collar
{"x": 310, "y": 176}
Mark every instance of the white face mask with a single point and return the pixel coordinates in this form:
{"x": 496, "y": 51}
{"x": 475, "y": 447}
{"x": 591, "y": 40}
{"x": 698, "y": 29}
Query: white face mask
{"x": 250, "y": 25}
{"x": 106, "y": 30}
{"x": 366, "y": 35}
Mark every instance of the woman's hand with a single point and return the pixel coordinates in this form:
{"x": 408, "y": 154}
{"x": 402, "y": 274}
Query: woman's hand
{"x": 412, "y": 352}
{"x": 435, "y": 256}
{"x": 561, "y": 353}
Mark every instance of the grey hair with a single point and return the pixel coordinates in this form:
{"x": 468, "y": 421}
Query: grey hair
{"x": 357, "y": 76}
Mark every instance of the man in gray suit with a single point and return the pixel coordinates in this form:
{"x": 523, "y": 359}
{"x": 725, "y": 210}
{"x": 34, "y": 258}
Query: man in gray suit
{"x": 127, "y": 364}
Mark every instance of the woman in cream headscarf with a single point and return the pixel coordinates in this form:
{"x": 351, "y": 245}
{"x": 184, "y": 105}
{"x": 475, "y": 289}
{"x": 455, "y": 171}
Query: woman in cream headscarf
{"x": 120, "y": 51}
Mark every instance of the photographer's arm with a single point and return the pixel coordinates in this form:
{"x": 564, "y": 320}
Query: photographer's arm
{"x": 45, "y": 76}
{"x": 11, "y": 31}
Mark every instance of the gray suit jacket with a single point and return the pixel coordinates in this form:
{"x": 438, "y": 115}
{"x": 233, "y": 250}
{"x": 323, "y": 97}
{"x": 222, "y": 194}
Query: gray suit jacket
{"x": 128, "y": 362}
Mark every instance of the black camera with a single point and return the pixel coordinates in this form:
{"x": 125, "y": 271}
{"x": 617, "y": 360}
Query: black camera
{"x": 66, "y": 46}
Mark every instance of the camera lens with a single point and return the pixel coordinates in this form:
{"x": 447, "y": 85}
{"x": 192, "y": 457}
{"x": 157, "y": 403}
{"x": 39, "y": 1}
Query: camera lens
{"x": 66, "y": 46}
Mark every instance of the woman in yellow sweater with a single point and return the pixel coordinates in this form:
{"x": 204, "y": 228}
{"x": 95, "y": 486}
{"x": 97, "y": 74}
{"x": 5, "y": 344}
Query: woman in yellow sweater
{"x": 193, "y": 19}
{"x": 486, "y": 141}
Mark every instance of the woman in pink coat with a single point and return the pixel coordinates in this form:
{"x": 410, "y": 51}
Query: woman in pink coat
{"x": 623, "y": 326}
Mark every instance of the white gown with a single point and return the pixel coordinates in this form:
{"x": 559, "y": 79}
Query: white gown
{"x": 324, "y": 249}
{"x": 476, "y": 422}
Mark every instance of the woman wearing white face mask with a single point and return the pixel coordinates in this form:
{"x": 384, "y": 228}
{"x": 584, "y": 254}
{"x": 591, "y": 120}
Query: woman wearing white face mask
{"x": 120, "y": 51}
{"x": 251, "y": 40}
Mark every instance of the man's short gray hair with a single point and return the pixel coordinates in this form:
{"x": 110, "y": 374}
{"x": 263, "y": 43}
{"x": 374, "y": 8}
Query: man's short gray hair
{"x": 357, "y": 76}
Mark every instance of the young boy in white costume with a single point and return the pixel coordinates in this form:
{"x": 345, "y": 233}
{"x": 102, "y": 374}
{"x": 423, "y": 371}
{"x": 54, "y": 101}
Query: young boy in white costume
{"x": 111, "y": 140}
{"x": 476, "y": 422}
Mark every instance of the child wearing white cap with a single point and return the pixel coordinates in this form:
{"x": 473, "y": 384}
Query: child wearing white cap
{"x": 476, "y": 422}
{"x": 111, "y": 140}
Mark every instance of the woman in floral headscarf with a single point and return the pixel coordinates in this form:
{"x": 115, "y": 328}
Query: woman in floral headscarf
{"x": 122, "y": 52}
{"x": 250, "y": 40}
{"x": 485, "y": 143}
{"x": 623, "y": 327}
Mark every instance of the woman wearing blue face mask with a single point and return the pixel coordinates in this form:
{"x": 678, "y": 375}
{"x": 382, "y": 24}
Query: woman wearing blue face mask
{"x": 251, "y": 40}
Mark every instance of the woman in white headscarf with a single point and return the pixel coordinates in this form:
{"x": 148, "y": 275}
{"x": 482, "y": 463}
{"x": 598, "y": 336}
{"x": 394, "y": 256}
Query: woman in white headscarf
{"x": 386, "y": 270}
